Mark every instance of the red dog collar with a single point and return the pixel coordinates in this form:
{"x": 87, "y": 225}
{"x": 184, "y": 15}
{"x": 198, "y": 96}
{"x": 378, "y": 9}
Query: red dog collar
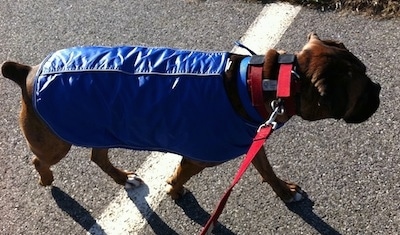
{"x": 254, "y": 74}
{"x": 286, "y": 85}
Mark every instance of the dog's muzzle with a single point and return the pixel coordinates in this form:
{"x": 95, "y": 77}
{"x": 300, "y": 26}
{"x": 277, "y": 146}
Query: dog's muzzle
{"x": 367, "y": 104}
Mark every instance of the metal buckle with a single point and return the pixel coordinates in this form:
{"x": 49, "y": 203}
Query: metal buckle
{"x": 278, "y": 108}
{"x": 269, "y": 85}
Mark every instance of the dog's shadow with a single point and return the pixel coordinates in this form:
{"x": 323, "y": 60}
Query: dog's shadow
{"x": 189, "y": 205}
{"x": 77, "y": 212}
{"x": 153, "y": 220}
{"x": 304, "y": 209}
{"x": 197, "y": 214}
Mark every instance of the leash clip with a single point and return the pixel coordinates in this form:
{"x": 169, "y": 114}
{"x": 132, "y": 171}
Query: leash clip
{"x": 277, "y": 106}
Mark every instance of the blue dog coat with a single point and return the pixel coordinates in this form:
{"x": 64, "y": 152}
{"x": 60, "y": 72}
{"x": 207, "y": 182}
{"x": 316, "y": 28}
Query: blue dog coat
{"x": 142, "y": 98}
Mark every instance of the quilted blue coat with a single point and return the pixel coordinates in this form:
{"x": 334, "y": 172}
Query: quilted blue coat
{"x": 142, "y": 98}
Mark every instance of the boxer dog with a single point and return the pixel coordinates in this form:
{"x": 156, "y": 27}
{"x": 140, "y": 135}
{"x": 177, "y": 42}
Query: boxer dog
{"x": 196, "y": 104}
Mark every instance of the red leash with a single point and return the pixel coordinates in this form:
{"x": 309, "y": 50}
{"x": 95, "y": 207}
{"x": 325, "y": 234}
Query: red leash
{"x": 258, "y": 142}
{"x": 263, "y": 133}
{"x": 285, "y": 90}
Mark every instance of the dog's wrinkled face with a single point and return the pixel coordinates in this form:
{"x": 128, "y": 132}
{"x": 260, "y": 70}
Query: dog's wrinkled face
{"x": 335, "y": 84}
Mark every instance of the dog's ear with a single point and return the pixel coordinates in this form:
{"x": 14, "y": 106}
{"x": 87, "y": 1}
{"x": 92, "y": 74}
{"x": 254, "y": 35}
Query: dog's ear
{"x": 269, "y": 67}
{"x": 320, "y": 83}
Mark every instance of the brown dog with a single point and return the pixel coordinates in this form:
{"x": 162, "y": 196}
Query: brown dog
{"x": 333, "y": 82}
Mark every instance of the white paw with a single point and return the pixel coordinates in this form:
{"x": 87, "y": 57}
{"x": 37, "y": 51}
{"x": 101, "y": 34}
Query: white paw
{"x": 175, "y": 195}
{"x": 300, "y": 195}
{"x": 133, "y": 181}
{"x": 168, "y": 188}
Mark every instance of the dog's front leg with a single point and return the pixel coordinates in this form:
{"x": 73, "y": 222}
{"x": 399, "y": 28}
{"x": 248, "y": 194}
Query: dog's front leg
{"x": 128, "y": 179}
{"x": 182, "y": 174}
{"x": 288, "y": 192}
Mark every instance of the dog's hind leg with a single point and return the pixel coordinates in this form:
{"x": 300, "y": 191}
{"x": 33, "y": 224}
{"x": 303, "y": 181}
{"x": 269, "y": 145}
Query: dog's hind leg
{"x": 128, "y": 179}
{"x": 184, "y": 171}
{"x": 45, "y": 159}
{"x": 43, "y": 168}
{"x": 47, "y": 148}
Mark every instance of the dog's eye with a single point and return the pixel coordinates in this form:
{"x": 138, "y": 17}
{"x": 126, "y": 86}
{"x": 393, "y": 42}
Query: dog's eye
{"x": 350, "y": 74}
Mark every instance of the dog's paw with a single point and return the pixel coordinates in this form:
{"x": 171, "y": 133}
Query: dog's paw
{"x": 133, "y": 181}
{"x": 176, "y": 194}
{"x": 45, "y": 182}
{"x": 298, "y": 196}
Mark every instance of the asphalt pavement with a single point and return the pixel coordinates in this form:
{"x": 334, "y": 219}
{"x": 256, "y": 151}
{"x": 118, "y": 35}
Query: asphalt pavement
{"x": 350, "y": 172}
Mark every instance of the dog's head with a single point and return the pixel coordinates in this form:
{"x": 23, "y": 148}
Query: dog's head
{"x": 334, "y": 83}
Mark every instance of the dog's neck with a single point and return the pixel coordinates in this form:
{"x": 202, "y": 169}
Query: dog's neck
{"x": 267, "y": 72}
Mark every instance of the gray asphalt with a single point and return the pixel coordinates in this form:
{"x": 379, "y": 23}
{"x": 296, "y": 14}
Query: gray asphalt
{"x": 350, "y": 172}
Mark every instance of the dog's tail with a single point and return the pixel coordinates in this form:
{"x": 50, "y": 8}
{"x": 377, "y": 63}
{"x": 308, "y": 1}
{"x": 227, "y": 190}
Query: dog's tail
{"x": 16, "y": 72}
